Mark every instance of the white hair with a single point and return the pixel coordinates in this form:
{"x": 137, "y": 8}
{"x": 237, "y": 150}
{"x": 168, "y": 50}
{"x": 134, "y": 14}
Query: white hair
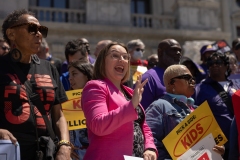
{"x": 173, "y": 71}
{"x": 133, "y": 43}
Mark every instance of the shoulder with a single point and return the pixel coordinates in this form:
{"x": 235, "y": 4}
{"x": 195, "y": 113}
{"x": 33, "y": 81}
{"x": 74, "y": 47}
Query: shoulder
{"x": 204, "y": 82}
{"x": 6, "y": 63}
{"x": 155, "y": 72}
{"x": 44, "y": 62}
{"x": 149, "y": 74}
{"x": 94, "y": 88}
{"x": 4, "y": 59}
{"x": 98, "y": 84}
{"x": 160, "y": 105}
{"x": 65, "y": 75}
{"x": 235, "y": 83}
{"x": 56, "y": 59}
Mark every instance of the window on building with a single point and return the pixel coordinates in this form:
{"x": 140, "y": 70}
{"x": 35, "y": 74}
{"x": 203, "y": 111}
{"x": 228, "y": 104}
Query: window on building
{"x": 58, "y": 13}
{"x": 238, "y": 31}
{"x": 238, "y": 3}
{"x": 141, "y": 7}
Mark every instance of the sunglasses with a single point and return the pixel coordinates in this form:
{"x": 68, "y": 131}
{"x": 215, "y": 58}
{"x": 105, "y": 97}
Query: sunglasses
{"x": 5, "y": 48}
{"x": 186, "y": 77}
{"x": 34, "y": 28}
{"x": 117, "y": 56}
{"x": 139, "y": 49}
{"x": 217, "y": 62}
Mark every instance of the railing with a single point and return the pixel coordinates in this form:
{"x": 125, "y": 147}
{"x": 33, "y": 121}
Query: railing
{"x": 59, "y": 14}
{"x": 151, "y": 21}
{"x": 79, "y": 16}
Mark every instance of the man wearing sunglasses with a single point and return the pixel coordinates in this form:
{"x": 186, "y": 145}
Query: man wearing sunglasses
{"x": 4, "y": 47}
{"x": 169, "y": 53}
{"x": 217, "y": 89}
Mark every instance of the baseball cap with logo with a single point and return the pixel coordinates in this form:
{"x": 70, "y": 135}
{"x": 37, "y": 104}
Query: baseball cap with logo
{"x": 207, "y": 48}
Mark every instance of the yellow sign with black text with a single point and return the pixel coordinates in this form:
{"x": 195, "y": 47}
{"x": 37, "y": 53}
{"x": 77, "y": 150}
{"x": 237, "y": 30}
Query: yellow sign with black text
{"x": 191, "y": 130}
{"x": 72, "y": 110}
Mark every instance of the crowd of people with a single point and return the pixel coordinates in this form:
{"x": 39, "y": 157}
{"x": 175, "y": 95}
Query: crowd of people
{"x": 123, "y": 117}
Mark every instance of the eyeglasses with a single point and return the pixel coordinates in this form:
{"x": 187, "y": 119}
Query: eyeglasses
{"x": 186, "y": 77}
{"x": 139, "y": 49}
{"x": 217, "y": 62}
{"x": 117, "y": 56}
{"x": 5, "y": 48}
{"x": 34, "y": 28}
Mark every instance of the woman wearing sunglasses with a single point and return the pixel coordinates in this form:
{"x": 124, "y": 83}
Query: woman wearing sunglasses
{"x": 115, "y": 119}
{"x": 164, "y": 114}
{"x": 21, "y": 119}
{"x": 217, "y": 89}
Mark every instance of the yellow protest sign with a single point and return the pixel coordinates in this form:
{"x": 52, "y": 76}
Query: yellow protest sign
{"x": 137, "y": 70}
{"x": 72, "y": 110}
{"x": 73, "y": 94}
{"x": 191, "y": 130}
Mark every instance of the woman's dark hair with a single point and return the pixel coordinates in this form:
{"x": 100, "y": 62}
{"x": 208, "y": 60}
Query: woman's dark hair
{"x": 221, "y": 56}
{"x": 73, "y": 46}
{"x": 83, "y": 66}
{"x": 99, "y": 66}
{"x": 12, "y": 19}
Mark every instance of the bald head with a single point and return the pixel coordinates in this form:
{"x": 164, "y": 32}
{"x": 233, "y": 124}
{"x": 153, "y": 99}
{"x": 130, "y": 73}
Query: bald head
{"x": 100, "y": 45}
{"x": 169, "y": 53}
{"x": 168, "y": 43}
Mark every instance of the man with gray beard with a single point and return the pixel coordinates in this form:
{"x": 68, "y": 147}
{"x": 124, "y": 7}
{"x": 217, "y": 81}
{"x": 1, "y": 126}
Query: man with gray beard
{"x": 169, "y": 53}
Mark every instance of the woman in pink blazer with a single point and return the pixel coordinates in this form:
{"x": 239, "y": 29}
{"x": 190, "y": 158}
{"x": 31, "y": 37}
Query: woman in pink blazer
{"x": 115, "y": 119}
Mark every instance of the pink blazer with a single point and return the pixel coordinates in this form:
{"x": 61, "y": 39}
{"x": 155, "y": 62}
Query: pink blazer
{"x": 110, "y": 119}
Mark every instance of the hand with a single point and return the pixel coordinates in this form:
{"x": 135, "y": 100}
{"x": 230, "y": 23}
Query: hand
{"x": 149, "y": 155}
{"x": 74, "y": 155}
{"x": 219, "y": 149}
{"x": 63, "y": 153}
{"x": 137, "y": 94}
{"x": 5, "y": 134}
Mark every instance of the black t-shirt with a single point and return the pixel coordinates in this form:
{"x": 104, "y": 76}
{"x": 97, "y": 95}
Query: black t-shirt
{"x": 14, "y": 106}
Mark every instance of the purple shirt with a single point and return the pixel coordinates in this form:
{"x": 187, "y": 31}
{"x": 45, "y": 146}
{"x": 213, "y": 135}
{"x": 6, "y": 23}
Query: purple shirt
{"x": 154, "y": 89}
{"x": 223, "y": 115}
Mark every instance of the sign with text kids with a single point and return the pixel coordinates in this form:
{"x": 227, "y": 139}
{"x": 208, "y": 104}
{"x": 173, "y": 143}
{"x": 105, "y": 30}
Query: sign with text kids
{"x": 191, "y": 130}
{"x": 72, "y": 110}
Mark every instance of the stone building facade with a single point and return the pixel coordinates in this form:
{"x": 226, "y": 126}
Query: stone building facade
{"x": 123, "y": 20}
